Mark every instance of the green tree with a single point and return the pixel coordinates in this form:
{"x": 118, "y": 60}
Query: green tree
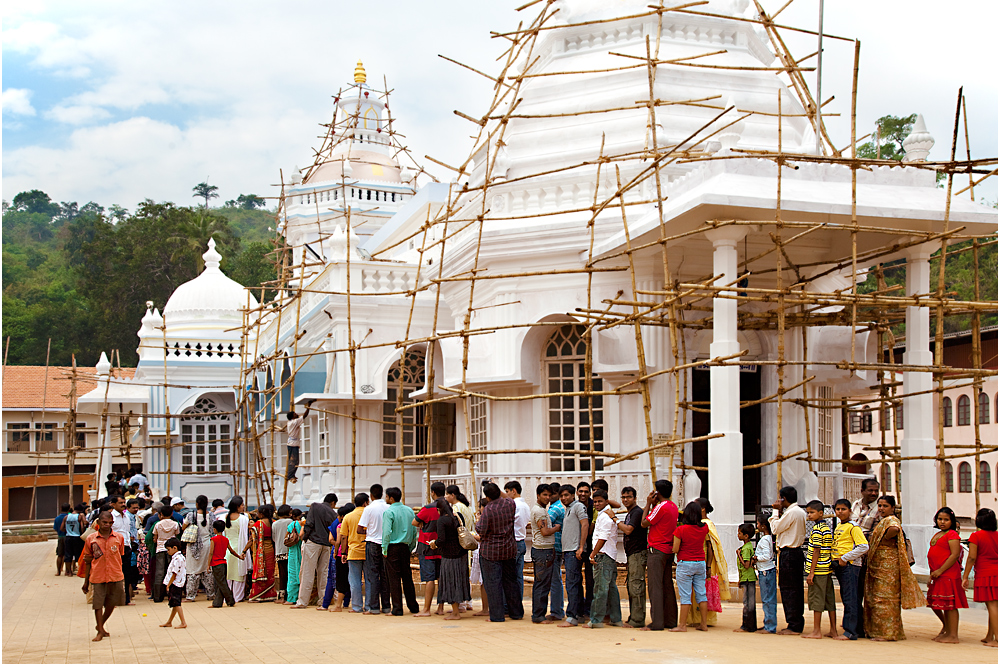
{"x": 195, "y": 230}
{"x": 205, "y": 190}
{"x": 890, "y": 131}
{"x": 247, "y": 202}
{"x": 121, "y": 266}
{"x": 253, "y": 267}
{"x": 117, "y": 212}
{"x": 35, "y": 201}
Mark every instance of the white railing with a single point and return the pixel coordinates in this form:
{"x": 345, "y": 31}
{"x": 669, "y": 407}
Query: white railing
{"x": 388, "y": 278}
{"x": 196, "y": 349}
{"x": 835, "y": 484}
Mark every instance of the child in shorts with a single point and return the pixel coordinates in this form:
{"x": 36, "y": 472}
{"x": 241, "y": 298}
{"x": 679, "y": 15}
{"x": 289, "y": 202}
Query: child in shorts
{"x": 175, "y": 579}
{"x": 818, "y": 553}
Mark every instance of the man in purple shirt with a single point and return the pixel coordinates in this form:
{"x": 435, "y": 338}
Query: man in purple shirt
{"x": 498, "y": 555}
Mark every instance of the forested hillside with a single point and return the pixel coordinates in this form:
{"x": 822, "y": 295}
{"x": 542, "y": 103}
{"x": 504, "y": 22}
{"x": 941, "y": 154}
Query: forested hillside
{"x": 81, "y": 275}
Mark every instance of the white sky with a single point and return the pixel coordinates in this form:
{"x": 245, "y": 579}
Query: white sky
{"x": 119, "y": 101}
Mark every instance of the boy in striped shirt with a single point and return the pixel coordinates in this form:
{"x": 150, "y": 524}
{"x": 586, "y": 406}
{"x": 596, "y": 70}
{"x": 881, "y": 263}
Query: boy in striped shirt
{"x": 821, "y": 596}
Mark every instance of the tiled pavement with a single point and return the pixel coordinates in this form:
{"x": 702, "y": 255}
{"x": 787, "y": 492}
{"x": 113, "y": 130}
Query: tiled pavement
{"x": 46, "y": 619}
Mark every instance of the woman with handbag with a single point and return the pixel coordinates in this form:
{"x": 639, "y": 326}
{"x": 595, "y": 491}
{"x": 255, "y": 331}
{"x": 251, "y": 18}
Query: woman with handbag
{"x": 198, "y": 537}
{"x": 293, "y": 542}
{"x": 460, "y": 505}
{"x": 717, "y": 583}
{"x": 454, "y": 584}
{"x": 889, "y": 584}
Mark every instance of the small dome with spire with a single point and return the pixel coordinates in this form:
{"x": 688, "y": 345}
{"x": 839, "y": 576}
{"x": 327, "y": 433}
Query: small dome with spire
{"x": 211, "y": 296}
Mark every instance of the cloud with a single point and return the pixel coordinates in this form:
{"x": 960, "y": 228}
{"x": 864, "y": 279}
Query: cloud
{"x": 77, "y": 114}
{"x": 146, "y": 99}
{"x": 17, "y": 101}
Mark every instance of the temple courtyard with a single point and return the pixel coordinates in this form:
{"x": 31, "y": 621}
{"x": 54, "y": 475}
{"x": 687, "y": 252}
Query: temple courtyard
{"x": 46, "y": 620}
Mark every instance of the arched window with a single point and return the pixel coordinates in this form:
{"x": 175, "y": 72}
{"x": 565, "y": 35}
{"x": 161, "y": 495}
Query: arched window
{"x": 406, "y": 434}
{"x": 947, "y": 411}
{"x": 205, "y": 438}
{"x": 964, "y": 410}
{"x": 885, "y": 478}
{"x": 371, "y": 118}
{"x": 985, "y": 481}
{"x": 964, "y": 477}
{"x": 860, "y": 465}
{"x": 984, "y": 408}
{"x": 949, "y": 477}
{"x": 569, "y": 416}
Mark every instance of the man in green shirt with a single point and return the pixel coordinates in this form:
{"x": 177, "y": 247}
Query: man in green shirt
{"x": 399, "y": 537}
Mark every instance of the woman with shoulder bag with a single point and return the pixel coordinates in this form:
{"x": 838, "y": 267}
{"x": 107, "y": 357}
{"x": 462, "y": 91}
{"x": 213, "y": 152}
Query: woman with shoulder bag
{"x": 454, "y": 588}
{"x": 198, "y": 535}
{"x": 293, "y": 542}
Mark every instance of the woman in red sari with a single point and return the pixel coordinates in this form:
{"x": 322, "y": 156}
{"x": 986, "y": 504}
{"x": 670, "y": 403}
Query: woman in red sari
{"x": 260, "y": 542}
{"x": 983, "y": 559}
{"x": 945, "y": 594}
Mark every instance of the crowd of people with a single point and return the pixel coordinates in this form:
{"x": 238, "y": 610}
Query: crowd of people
{"x": 357, "y": 558}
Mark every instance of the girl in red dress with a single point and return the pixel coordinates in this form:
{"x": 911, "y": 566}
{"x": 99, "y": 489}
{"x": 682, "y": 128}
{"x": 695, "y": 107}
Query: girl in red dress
{"x": 944, "y": 591}
{"x": 983, "y": 557}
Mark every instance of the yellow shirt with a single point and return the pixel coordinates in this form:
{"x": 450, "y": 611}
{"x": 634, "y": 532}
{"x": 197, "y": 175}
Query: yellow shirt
{"x": 355, "y": 542}
{"x": 846, "y": 538}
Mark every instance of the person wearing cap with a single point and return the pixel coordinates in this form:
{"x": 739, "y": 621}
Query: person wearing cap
{"x": 177, "y": 504}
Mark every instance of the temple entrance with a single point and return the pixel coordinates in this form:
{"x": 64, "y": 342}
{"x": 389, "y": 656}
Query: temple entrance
{"x": 749, "y": 426}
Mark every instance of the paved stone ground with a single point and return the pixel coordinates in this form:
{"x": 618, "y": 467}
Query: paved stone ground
{"x": 46, "y": 619}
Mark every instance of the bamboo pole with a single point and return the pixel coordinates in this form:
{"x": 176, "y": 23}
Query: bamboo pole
{"x": 40, "y": 436}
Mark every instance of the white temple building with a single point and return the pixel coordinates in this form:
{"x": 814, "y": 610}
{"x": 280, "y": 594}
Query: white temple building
{"x": 535, "y": 224}
{"x": 360, "y": 202}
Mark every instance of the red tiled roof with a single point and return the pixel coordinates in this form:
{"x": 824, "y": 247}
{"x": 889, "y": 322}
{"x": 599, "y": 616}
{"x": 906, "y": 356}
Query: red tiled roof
{"x": 26, "y": 386}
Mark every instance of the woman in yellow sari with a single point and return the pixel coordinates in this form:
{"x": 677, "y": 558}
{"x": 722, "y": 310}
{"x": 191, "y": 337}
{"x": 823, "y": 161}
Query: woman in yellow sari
{"x": 889, "y": 584}
{"x": 717, "y": 584}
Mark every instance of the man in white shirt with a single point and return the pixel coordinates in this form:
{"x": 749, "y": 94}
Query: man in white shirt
{"x": 604, "y": 559}
{"x": 140, "y": 479}
{"x": 370, "y": 525}
{"x": 123, "y": 526}
{"x": 522, "y": 516}
{"x": 788, "y": 525}
{"x": 294, "y": 431}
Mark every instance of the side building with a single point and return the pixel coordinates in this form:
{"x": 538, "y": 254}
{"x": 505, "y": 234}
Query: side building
{"x": 962, "y": 410}
{"x": 42, "y": 446}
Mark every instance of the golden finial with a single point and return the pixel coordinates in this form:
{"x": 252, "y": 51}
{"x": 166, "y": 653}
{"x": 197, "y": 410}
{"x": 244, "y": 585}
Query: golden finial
{"x": 359, "y": 73}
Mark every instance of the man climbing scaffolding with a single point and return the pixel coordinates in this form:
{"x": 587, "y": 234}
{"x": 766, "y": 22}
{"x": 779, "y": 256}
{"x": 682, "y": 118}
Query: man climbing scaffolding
{"x": 294, "y": 430}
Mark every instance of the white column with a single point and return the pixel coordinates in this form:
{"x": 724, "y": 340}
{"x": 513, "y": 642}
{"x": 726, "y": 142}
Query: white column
{"x": 105, "y": 454}
{"x": 725, "y": 454}
{"x": 919, "y": 480}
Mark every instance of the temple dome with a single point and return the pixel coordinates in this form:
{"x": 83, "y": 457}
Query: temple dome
{"x": 209, "y": 296}
{"x": 365, "y": 166}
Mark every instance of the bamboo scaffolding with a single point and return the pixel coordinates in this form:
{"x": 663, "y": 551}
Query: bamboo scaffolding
{"x": 776, "y": 288}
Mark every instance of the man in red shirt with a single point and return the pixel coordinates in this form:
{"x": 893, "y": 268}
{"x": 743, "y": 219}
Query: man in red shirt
{"x": 660, "y": 516}
{"x": 430, "y": 562}
{"x": 102, "y": 552}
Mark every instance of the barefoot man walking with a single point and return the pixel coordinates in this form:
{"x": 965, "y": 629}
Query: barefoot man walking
{"x": 102, "y": 552}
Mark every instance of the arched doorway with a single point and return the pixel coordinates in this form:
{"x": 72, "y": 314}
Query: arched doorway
{"x": 416, "y": 430}
{"x": 406, "y": 434}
